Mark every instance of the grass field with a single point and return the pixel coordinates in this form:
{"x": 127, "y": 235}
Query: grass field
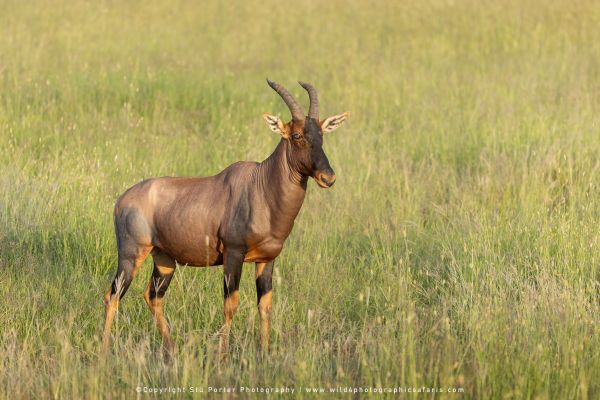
{"x": 458, "y": 248}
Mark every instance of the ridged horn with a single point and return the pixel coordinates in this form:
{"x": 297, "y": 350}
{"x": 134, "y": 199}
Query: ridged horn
{"x": 295, "y": 109}
{"x": 313, "y": 111}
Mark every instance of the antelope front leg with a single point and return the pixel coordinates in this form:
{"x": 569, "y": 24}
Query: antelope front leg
{"x": 232, "y": 271}
{"x": 264, "y": 292}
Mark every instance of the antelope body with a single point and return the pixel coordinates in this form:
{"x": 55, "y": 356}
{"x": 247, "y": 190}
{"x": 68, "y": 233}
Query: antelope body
{"x": 243, "y": 214}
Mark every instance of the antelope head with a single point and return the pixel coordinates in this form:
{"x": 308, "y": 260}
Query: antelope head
{"x": 305, "y": 135}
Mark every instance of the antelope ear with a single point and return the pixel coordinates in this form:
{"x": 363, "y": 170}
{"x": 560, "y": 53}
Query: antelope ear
{"x": 275, "y": 124}
{"x": 332, "y": 123}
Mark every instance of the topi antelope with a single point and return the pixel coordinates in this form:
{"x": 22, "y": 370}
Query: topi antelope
{"x": 243, "y": 214}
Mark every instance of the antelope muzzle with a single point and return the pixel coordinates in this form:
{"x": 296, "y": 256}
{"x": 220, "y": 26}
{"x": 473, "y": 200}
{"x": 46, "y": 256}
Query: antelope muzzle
{"x": 325, "y": 178}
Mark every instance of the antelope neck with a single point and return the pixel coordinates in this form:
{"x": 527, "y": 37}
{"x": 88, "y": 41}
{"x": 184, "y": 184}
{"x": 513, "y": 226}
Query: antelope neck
{"x": 283, "y": 185}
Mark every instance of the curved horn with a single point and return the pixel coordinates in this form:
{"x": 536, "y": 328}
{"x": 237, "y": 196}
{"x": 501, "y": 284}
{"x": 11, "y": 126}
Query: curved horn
{"x": 313, "y": 111}
{"x": 295, "y": 109}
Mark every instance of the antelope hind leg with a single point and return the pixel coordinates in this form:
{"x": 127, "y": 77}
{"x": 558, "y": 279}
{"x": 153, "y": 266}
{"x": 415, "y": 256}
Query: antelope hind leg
{"x": 164, "y": 268}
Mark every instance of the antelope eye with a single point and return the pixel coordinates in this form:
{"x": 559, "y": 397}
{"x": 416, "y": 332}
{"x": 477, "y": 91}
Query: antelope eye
{"x": 296, "y": 136}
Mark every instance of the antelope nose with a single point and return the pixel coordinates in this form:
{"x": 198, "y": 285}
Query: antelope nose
{"x": 328, "y": 179}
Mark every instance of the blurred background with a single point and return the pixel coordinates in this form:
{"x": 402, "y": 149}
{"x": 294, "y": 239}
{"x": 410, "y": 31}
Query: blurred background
{"x": 458, "y": 248}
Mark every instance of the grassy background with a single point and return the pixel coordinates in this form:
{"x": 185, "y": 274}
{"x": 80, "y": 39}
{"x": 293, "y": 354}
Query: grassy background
{"x": 459, "y": 247}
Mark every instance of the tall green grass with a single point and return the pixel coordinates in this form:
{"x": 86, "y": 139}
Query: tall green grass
{"x": 458, "y": 249}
